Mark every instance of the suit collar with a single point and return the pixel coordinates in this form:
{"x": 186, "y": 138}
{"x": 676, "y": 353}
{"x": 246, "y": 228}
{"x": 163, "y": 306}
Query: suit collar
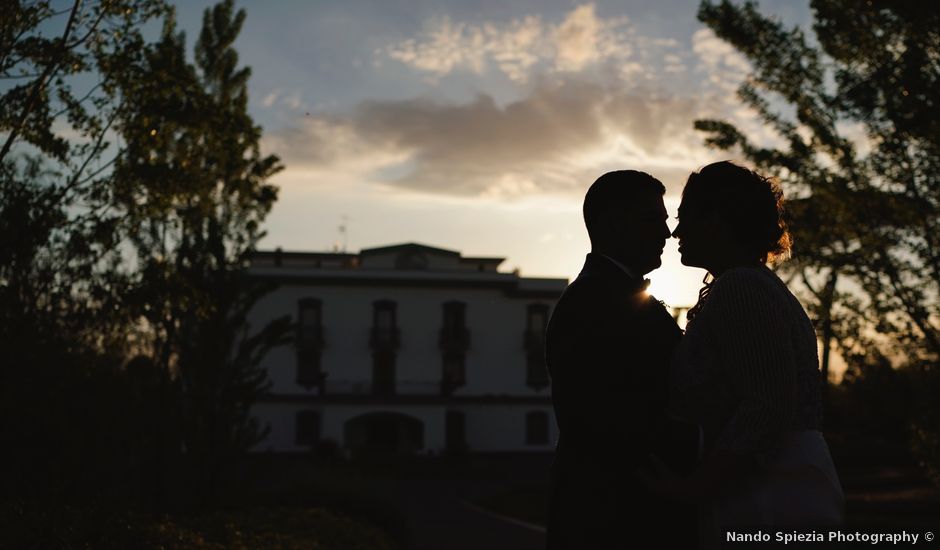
{"x": 630, "y": 273}
{"x": 604, "y": 266}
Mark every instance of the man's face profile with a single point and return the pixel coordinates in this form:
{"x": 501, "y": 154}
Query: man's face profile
{"x": 645, "y": 232}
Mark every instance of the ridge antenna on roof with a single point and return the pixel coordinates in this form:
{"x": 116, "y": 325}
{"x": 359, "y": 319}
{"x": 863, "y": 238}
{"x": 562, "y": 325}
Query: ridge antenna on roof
{"x": 343, "y": 226}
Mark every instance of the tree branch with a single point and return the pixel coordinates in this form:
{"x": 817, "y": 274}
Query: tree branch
{"x": 48, "y": 73}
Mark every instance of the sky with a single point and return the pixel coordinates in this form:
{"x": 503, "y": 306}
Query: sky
{"x": 477, "y": 126}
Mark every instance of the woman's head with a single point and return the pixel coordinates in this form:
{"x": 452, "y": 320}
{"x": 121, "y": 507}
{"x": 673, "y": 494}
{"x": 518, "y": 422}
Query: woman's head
{"x": 729, "y": 216}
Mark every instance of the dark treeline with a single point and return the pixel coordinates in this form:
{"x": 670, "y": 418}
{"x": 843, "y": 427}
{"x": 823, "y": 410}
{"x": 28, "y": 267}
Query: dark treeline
{"x": 132, "y": 190}
{"x": 857, "y": 127}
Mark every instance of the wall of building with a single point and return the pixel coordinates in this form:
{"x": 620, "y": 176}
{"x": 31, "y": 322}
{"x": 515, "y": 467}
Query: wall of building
{"x": 490, "y": 427}
{"x": 495, "y": 398}
{"x": 495, "y": 361}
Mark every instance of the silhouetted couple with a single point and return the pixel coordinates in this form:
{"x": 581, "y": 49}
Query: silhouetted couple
{"x": 666, "y": 438}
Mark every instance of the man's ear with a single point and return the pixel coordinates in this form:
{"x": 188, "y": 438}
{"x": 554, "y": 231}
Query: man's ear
{"x": 609, "y": 228}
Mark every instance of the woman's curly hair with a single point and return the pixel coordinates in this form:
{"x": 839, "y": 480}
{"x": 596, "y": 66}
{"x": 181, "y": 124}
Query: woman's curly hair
{"x": 750, "y": 203}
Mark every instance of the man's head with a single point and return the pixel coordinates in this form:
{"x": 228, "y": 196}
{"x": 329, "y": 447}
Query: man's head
{"x": 626, "y": 218}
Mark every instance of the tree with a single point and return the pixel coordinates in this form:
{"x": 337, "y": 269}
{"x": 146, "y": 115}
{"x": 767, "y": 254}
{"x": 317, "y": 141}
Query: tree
{"x": 61, "y": 329}
{"x": 192, "y": 185}
{"x": 125, "y": 353}
{"x": 53, "y": 140}
{"x": 856, "y": 114}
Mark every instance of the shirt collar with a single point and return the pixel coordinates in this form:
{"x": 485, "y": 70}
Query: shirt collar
{"x": 622, "y": 267}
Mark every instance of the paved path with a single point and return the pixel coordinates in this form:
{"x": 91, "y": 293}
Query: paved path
{"x": 439, "y": 517}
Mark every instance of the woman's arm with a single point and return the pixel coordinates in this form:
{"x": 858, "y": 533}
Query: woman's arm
{"x": 719, "y": 472}
{"x": 750, "y": 343}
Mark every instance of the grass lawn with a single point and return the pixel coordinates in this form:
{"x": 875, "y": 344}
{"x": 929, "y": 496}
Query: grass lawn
{"x": 275, "y": 504}
{"x": 249, "y": 528}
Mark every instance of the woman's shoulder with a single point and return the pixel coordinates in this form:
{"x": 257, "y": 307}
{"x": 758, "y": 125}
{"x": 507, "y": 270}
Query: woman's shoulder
{"x": 750, "y": 276}
{"x": 747, "y": 287}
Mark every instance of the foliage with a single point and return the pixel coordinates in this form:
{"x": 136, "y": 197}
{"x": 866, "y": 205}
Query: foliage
{"x": 123, "y": 291}
{"x": 59, "y": 256}
{"x": 191, "y": 182}
{"x": 876, "y": 401}
{"x": 855, "y": 116}
{"x": 61, "y": 324}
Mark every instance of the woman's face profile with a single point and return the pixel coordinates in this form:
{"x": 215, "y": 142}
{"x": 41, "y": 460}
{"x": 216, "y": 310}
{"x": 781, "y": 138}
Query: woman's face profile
{"x": 700, "y": 234}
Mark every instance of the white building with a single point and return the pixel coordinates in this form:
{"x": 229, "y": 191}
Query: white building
{"x": 406, "y": 348}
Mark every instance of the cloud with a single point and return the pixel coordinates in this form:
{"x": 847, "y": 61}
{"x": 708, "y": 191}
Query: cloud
{"x": 674, "y": 63}
{"x": 293, "y": 100}
{"x": 269, "y": 99}
{"x": 517, "y": 48}
{"x": 725, "y": 66}
{"x": 446, "y": 46}
{"x": 578, "y": 40}
{"x": 590, "y": 99}
{"x": 557, "y": 139}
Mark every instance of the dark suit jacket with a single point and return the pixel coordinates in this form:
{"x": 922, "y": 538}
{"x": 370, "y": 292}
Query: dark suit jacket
{"x": 608, "y": 348}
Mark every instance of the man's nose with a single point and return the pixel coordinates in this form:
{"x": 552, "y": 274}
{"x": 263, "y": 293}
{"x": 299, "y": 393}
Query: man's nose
{"x": 675, "y": 233}
{"x": 666, "y": 231}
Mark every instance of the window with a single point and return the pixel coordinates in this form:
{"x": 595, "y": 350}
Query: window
{"x": 384, "y": 326}
{"x": 454, "y": 341}
{"x": 453, "y": 372}
{"x": 536, "y": 322}
{"x": 536, "y": 428}
{"x": 455, "y": 338}
{"x": 455, "y": 322}
{"x": 385, "y": 318}
{"x": 455, "y": 431}
{"x": 309, "y": 341}
{"x": 308, "y": 428}
{"x": 308, "y": 322}
{"x": 384, "y": 341}
{"x": 537, "y": 318}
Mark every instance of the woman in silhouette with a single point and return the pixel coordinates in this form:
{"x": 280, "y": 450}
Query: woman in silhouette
{"x": 747, "y": 369}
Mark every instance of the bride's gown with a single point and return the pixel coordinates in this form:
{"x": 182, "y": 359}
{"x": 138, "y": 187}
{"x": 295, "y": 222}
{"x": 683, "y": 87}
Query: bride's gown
{"x": 747, "y": 371}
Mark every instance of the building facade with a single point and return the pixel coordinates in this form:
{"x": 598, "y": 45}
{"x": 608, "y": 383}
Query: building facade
{"x": 407, "y": 349}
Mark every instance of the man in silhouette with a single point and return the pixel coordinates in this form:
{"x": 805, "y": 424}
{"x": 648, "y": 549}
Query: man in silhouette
{"x": 608, "y": 350}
